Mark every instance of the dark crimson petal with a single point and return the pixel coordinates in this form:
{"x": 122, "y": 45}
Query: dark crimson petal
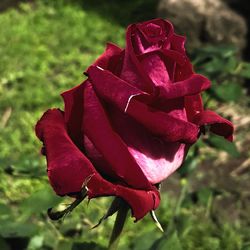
{"x": 140, "y": 201}
{"x": 104, "y": 60}
{"x": 178, "y": 43}
{"x": 98, "y": 129}
{"x": 157, "y": 158}
{"x": 74, "y": 98}
{"x": 95, "y": 157}
{"x": 183, "y": 72}
{"x": 141, "y": 44}
{"x": 154, "y": 65}
{"x": 132, "y": 70}
{"x": 191, "y": 86}
{"x": 218, "y": 124}
{"x": 73, "y": 101}
{"x": 193, "y": 105}
{"x": 159, "y": 123}
{"x": 113, "y": 89}
{"x": 175, "y": 56}
{"x": 156, "y": 30}
{"x": 68, "y": 168}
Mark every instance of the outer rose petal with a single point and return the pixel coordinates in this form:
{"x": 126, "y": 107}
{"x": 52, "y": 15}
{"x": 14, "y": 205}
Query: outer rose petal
{"x": 98, "y": 129}
{"x": 110, "y": 59}
{"x": 178, "y": 43}
{"x": 183, "y": 72}
{"x": 96, "y": 126}
{"x": 193, "y": 105}
{"x": 191, "y": 86}
{"x": 73, "y": 109}
{"x": 157, "y": 158}
{"x": 68, "y": 168}
{"x": 122, "y": 92}
{"x": 170, "y": 154}
{"x": 218, "y": 124}
{"x": 160, "y": 123}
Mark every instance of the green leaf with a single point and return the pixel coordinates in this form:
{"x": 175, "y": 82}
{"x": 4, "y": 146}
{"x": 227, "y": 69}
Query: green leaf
{"x": 245, "y": 70}
{"x": 4, "y": 210}
{"x": 188, "y": 166}
{"x": 36, "y": 242}
{"x": 65, "y": 245}
{"x": 228, "y": 91}
{"x": 40, "y": 201}
{"x": 246, "y": 247}
{"x": 222, "y": 51}
{"x": 214, "y": 65}
{"x": 204, "y": 195}
{"x": 87, "y": 245}
{"x": 231, "y": 64}
{"x": 170, "y": 242}
{"x": 17, "y": 229}
{"x": 146, "y": 239}
{"x": 220, "y": 143}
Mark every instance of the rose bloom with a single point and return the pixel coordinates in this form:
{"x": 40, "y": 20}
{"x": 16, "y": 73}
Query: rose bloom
{"x": 130, "y": 124}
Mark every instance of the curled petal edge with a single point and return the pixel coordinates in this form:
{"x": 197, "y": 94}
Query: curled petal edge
{"x": 218, "y": 124}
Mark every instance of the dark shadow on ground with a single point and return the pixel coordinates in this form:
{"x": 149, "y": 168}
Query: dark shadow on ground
{"x": 6, "y": 4}
{"x": 120, "y": 11}
{"x": 243, "y": 8}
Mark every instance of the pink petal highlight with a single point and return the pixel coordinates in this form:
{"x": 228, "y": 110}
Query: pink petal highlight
{"x": 157, "y": 170}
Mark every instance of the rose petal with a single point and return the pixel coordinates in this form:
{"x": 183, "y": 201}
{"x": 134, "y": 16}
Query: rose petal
{"x": 111, "y": 59}
{"x": 73, "y": 100}
{"x": 176, "y": 56}
{"x": 68, "y": 168}
{"x": 218, "y": 124}
{"x": 178, "y": 43}
{"x": 156, "y": 30}
{"x": 98, "y": 129}
{"x": 183, "y": 72}
{"x": 157, "y": 159}
{"x": 158, "y": 122}
{"x": 154, "y": 65}
{"x": 132, "y": 71}
{"x": 122, "y": 92}
{"x": 96, "y": 158}
{"x": 173, "y": 107}
{"x": 191, "y": 86}
{"x": 140, "y": 42}
{"x": 161, "y": 124}
{"x": 193, "y": 105}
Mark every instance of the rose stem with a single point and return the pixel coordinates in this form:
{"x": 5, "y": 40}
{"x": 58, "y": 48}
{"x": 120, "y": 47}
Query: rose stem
{"x": 176, "y": 213}
{"x": 118, "y": 226}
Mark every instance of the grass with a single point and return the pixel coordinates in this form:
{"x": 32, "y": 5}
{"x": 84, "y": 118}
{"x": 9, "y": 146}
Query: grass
{"x": 44, "y": 51}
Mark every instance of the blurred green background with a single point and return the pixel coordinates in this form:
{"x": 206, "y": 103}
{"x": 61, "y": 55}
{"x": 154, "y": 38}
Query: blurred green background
{"x": 45, "y": 45}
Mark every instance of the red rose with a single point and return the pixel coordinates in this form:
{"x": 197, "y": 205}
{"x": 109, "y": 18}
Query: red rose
{"x": 130, "y": 124}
